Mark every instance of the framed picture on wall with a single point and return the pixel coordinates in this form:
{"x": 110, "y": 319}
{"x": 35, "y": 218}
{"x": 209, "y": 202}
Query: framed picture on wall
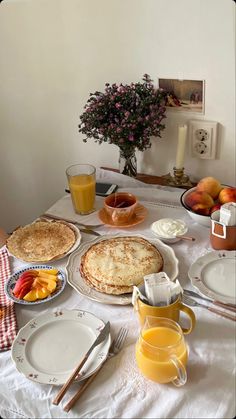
{"x": 184, "y": 95}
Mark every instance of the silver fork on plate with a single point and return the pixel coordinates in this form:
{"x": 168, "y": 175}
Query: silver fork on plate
{"x": 115, "y": 347}
{"x": 191, "y": 302}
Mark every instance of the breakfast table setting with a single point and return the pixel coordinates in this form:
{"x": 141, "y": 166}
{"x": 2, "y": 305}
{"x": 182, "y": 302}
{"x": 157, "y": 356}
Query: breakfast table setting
{"x": 46, "y": 338}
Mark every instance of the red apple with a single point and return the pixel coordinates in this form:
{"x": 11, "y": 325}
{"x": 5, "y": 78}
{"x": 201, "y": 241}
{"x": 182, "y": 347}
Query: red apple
{"x": 22, "y": 285}
{"x": 227, "y": 194}
{"x": 25, "y": 279}
{"x": 215, "y": 208}
{"x": 199, "y": 202}
{"x": 210, "y": 185}
{"x": 30, "y": 272}
{"x": 24, "y": 290}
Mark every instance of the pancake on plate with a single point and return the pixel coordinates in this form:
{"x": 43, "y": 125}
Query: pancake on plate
{"x": 41, "y": 241}
{"x": 115, "y": 265}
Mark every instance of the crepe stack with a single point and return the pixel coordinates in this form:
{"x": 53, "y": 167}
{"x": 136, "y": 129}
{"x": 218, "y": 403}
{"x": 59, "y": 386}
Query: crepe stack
{"x": 115, "y": 265}
{"x": 41, "y": 241}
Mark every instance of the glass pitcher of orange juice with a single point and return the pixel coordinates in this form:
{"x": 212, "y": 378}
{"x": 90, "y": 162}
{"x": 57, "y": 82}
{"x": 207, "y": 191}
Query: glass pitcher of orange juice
{"x": 161, "y": 351}
{"x": 82, "y": 183}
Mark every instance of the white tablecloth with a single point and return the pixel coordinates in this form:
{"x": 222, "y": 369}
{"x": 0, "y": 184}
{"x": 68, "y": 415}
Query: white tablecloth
{"x": 119, "y": 390}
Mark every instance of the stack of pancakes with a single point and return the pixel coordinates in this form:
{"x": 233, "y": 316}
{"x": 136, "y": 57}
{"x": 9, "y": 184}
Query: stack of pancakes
{"x": 115, "y": 265}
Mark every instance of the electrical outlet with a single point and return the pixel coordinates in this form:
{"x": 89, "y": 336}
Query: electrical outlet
{"x": 203, "y": 138}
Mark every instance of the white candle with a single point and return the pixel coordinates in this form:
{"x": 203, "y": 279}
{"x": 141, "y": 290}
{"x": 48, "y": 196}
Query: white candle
{"x": 181, "y": 147}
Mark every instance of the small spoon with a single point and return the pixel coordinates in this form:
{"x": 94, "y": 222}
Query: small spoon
{"x": 115, "y": 216}
{"x": 120, "y": 204}
{"x": 192, "y": 239}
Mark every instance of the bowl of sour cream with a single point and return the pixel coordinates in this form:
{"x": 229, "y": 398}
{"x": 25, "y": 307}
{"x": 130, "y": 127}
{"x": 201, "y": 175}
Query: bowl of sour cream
{"x": 169, "y": 230}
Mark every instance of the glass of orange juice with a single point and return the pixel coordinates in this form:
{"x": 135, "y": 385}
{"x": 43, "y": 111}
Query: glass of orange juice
{"x": 161, "y": 351}
{"x": 82, "y": 180}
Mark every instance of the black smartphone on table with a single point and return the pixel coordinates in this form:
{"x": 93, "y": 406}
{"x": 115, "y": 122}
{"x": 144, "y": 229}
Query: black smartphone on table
{"x": 103, "y": 189}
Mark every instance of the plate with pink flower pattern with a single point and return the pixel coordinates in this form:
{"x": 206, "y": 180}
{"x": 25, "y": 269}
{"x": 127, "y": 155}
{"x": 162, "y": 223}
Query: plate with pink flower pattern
{"x": 213, "y": 274}
{"x": 48, "y": 348}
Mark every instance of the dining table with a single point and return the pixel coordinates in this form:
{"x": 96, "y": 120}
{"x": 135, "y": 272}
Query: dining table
{"x": 119, "y": 389}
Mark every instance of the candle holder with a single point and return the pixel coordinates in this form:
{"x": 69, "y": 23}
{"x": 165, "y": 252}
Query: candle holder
{"x": 179, "y": 179}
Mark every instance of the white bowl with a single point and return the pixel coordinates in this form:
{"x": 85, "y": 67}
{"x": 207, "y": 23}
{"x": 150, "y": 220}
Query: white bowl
{"x": 168, "y": 239}
{"x": 204, "y": 220}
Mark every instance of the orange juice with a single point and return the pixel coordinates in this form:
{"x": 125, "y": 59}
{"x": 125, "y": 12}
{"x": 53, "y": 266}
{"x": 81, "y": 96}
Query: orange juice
{"x": 156, "y": 348}
{"x": 82, "y": 188}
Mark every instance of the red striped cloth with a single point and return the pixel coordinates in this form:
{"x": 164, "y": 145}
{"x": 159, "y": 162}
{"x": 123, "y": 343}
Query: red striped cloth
{"x": 8, "y": 323}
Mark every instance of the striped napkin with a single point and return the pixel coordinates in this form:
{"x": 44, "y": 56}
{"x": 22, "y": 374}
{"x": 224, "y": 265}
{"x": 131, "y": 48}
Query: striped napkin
{"x": 8, "y": 323}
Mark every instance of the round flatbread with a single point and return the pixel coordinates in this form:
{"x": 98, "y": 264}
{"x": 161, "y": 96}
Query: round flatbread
{"x": 41, "y": 241}
{"x": 114, "y": 266}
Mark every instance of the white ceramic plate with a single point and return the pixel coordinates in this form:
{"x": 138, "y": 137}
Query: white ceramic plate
{"x": 77, "y": 241}
{"x": 214, "y": 275}
{"x": 49, "y": 347}
{"x": 61, "y": 283}
{"x": 77, "y": 282}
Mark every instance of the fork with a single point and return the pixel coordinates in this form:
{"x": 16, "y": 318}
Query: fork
{"x": 230, "y": 307}
{"x": 55, "y": 217}
{"x": 115, "y": 347}
{"x": 189, "y": 301}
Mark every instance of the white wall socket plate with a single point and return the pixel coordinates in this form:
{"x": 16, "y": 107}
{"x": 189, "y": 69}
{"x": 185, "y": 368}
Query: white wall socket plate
{"x": 203, "y": 138}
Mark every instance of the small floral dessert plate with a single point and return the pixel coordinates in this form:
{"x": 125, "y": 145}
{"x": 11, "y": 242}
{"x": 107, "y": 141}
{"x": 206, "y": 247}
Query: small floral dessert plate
{"x": 48, "y": 348}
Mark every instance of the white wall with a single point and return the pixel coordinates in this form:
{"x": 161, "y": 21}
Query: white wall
{"x": 55, "y": 52}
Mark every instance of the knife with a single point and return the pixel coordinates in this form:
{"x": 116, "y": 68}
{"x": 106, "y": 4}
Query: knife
{"x": 230, "y": 307}
{"x": 100, "y": 338}
{"x": 56, "y": 217}
{"x": 89, "y": 231}
{"x": 67, "y": 220}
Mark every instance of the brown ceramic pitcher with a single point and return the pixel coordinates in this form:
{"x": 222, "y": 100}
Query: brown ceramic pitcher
{"x": 222, "y": 237}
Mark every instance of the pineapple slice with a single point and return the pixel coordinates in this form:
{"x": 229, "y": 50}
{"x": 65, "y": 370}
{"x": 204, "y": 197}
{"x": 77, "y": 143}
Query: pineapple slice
{"x": 42, "y": 274}
{"x": 49, "y": 271}
{"x": 42, "y": 293}
{"x": 50, "y": 284}
{"x": 43, "y": 285}
{"x": 31, "y": 296}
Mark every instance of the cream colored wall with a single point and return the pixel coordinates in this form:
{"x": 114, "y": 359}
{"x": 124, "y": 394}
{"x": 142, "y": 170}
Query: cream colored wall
{"x": 55, "y": 52}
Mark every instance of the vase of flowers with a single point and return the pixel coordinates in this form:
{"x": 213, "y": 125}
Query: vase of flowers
{"x": 128, "y": 162}
{"x": 126, "y": 116}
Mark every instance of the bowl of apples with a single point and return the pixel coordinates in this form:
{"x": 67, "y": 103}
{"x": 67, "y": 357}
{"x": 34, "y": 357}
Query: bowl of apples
{"x": 205, "y": 198}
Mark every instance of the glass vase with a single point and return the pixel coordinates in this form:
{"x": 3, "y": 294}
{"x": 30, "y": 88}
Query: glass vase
{"x": 128, "y": 162}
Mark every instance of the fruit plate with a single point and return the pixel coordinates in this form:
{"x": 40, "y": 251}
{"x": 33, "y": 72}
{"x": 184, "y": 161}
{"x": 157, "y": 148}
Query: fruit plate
{"x": 214, "y": 275}
{"x": 9, "y": 286}
{"x": 78, "y": 283}
{"x": 48, "y": 348}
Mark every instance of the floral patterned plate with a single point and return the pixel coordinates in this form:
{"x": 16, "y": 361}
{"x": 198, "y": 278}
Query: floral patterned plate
{"x": 214, "y": 275}
{"x": 49, "y": 347}
{"x": 74, "y": 278}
